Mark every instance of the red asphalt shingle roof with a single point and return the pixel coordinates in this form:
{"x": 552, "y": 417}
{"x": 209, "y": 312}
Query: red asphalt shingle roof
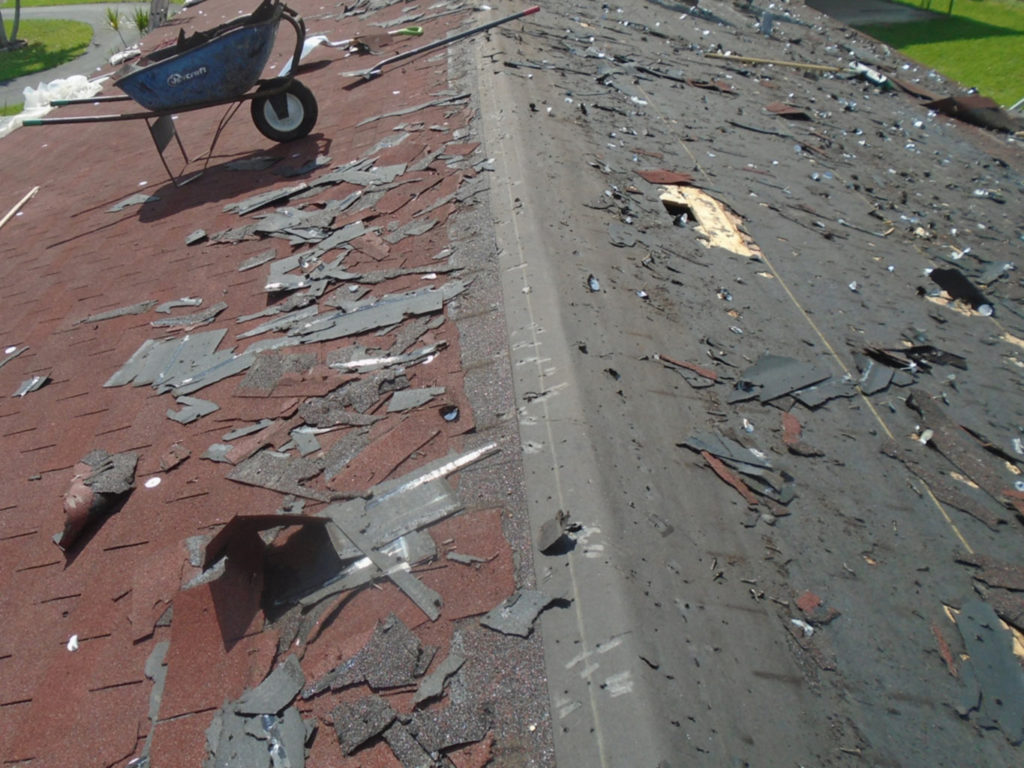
{"x": 120, "y": 588}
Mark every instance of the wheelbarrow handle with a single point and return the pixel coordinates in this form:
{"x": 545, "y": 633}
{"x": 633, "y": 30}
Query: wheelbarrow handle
{"x": 375, "y": 71}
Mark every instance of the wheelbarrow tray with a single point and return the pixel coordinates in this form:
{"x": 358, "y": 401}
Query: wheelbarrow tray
{"x": 219, "y": 65}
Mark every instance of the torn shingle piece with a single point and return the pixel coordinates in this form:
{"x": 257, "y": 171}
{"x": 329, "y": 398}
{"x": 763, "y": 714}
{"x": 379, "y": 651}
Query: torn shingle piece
{"x": 425, "y": 598}
{"x": 100, "y": 481}
{"x": 292, "y": 736}
{"x": 132, "y": 309}
{"x": 457, "y": 724}
{"x": 30, "y": 385}
{"x": 993, "y": 675}
{"x": 464, "y": 559}
{"x": 249, "y": 429}
{"x": 258, "y": 260}
{"x": 516, "y": 614}
{"x": 184, "y": 301}
{"x": 189, "y": 361}
{"x": 305, "y": 441}
{"x": 412, "y": 229}
{"x": 181, "y": 357}
{"x": 341, "y": 236}
{"x": 173, "y": 457}
{"x": 426, "y": 161}
{"x": 874, "y": 376}
{"x": 409, "y": 752}
{"x": 357, "y": 722}
{"x": 382, "y": 275}
{"x": 773, "y": 376}
{"x": 285, "y": 323}
{"x": 392, "y": 656}
{"x": 265, "y": 345}
{"x": 278, "y": 472}
{"x": 192, "y": 409}
{"x": 267, "y": 198}
{"x": 410, "y": 110}
{"x": 10, "y": 354}
{"x": 336, "y": 175}
{"x": 389, "y": 310}
{"x": 389, "y": 659}
{"x": 257, "y": 163}
{"x": 146, "y": 363}
{"x": 231, "y": 745}
{"x": 385, "y": 519}
{"x": 414, "y": 548}
{"x": 135, "y": 364}
{"x": 190, "y": 321}
{"x": 139, "y": 198}
{"x": 374, "y": 176}
{"x": 322, "y": 412}
{"x": 408, "y": 399}
{"x": 366, "y": 364}
{"x": 726, "y": 448}
{"x": 346, "y": 448}
{"x": 819, "y": 394}
{"x": 302, "y": 170}
{"x": 219, "y": 453}
{"x": 275, "y": 693}
{"x": 432, "y": 686}
{"x": 223, "y": 369}
{"x": 234, "y": 236}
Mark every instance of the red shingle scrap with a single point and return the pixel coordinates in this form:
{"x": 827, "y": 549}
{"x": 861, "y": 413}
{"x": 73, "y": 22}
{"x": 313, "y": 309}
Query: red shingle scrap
{"x": 731, "y": 478}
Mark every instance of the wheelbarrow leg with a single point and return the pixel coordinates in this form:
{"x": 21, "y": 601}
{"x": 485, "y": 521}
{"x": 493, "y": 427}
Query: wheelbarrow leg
{"x": 162, "y": 131}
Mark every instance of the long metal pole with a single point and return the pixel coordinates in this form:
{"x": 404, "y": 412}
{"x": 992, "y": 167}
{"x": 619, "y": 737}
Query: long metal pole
{"x": 375, "y": 71}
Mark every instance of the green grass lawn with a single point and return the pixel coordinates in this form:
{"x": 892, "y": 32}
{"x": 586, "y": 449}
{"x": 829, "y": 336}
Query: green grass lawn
{"x": 50, "y": 43}
{"x": 9, "y": 4}
{"x": 980, "y": 45}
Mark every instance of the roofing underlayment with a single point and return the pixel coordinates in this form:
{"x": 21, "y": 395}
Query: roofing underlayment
{"x": 627, "y": 385}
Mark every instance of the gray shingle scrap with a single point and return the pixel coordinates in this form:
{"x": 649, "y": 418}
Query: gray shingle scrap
{"x": 357, "y": 722}
{"x": 275, "y": 693}
{"x": 132, "y": 309}
{"x": 280, "y": 472}
{"x": 516, "y": 614}
{"x": 992, "y": 674}
{"x": 139, "y": 198}
{"x": 425, "y": 598}
{"x": 457, "y": 724}
{"x": 389, "y": 516}
{"x": 390, "y": 659}
{"x": 409, "y": 110}
{"x": 192, "y": 409}
{"x": 267, "y": 198}
{"x": 773, "y": 376}
{"x": 432, "y": 686}
{"x": 193, "y": 320}
{"x": 408, "y": 399}
{"x": 184, "y": 301}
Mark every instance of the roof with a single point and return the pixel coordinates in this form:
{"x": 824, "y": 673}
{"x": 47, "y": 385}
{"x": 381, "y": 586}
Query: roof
{"x": 593, "y": 393}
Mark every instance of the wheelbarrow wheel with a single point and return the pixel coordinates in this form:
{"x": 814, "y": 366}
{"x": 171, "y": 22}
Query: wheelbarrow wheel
{"x": 286, "y": 116}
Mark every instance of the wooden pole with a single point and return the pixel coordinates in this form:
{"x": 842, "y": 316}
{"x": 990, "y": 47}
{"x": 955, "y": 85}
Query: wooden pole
{"x": 796, "y": 64}
{"x": 18, "y": 206}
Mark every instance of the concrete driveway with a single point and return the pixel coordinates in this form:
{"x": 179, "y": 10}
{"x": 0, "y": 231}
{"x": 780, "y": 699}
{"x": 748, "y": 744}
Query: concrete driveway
{"x": 94, "y": 61}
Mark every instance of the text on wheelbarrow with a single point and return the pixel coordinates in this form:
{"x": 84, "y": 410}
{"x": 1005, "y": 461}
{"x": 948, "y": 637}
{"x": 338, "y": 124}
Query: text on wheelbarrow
{"x": 178, "y": 78}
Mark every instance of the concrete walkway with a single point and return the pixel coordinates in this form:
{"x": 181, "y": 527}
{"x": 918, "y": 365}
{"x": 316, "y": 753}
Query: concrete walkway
{"x": 856, "y": 13}
{"x": 93, "y": 62}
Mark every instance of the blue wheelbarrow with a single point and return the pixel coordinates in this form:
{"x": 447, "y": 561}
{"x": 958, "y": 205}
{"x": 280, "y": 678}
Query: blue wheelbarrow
{"x": 216, "y": 67}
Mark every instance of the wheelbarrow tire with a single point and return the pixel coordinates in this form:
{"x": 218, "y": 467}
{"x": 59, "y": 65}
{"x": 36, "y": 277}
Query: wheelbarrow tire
{"x": 301, "y": 113}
